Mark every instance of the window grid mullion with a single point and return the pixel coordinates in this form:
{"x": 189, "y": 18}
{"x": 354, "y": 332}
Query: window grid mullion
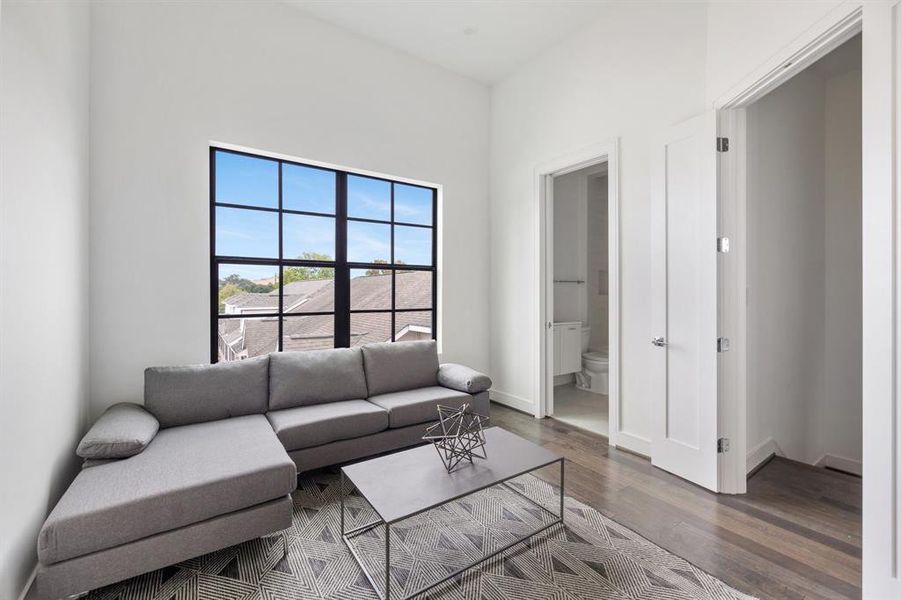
{"x": 342, "y": 272}
{"x": 281, "y": 266}
{"x": 434, "y": 264}
{"x": 214, "y": 265}
{"x": 393, "y": 274}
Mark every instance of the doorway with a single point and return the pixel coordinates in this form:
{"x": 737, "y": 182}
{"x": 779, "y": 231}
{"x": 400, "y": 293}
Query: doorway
{"x": 579, "y": 345}
{"x": 581, "y": 299}
{"x": 804, "y": 265}
{"x": 791, "y": 284}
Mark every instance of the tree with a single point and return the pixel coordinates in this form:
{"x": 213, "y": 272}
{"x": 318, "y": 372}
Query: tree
{"x": 292, "y": 274}
{"x": 245, "y": 285}
{"x": 379, "y": 261}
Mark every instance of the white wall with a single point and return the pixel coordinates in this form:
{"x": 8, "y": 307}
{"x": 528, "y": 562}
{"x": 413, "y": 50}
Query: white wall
{"x": 638, "y": 69}
{"x": 44, "y": 167}
{"x": 743, "y": 35}
{"x": 786, "y": 265}
{"x": 804, "y": 265}
{"x": 169, "y": 77}
{"x": 839, "y": 431}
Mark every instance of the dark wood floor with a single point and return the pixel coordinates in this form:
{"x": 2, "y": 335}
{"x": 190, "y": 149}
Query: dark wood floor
{"x": 795, "y": 534}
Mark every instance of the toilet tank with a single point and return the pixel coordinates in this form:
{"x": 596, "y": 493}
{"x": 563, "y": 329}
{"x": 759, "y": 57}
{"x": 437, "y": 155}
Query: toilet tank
{"x": 586, "y": 337}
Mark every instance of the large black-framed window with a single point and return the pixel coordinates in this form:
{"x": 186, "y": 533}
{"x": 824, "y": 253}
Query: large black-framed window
{"x": 305, "y": 257}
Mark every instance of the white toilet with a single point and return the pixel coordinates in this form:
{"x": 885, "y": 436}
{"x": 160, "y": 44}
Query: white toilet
{"x": 595, "y": 373}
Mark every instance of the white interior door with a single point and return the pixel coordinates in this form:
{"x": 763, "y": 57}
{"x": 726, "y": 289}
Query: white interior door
{"x": 548, "y": 272}
{"x": 684, "y": 297}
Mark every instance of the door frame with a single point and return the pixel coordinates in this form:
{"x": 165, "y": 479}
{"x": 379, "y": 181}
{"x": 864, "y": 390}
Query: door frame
{"x": 841, "y": 25}
{"x": 544, "y": 174}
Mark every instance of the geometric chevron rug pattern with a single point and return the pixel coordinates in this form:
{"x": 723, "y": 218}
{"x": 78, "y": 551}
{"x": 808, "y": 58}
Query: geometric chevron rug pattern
{"x": 590, "y": 557}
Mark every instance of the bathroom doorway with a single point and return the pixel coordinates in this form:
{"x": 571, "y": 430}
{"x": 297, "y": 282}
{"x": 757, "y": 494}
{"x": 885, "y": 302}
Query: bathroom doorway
{"x": 581, "y": 292}
{"x": 559, "y": 350}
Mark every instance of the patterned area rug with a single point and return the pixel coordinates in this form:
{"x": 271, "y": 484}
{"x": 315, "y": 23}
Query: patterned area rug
{"x": 590, "y": 557}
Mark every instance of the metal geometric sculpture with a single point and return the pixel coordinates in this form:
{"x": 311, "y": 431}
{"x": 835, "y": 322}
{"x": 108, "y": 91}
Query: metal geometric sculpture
{"x": 457, "y": 436}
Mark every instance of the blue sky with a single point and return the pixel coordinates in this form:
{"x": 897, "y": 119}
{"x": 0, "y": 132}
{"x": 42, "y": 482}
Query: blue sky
{"x": 254, "y": 234}
{"x": 308, "y": 189}
{"x": 412, "y": 245}
{"x": 246, "y": 180}
{"x": 412, "y": 204}
{"x": 248, "y": 233}
{"x": 305, "y": 233}
{"x": 368, "y": 198}
{"x": 368, "y": 242}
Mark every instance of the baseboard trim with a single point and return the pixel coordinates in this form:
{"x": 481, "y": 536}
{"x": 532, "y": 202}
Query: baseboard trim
{"x": 514, "y": 402}
{"x": 840, "y": 463}
{"x": 28, "y": 583}
{"x": 761, "y": 453}
{"x": 635, "y": 444}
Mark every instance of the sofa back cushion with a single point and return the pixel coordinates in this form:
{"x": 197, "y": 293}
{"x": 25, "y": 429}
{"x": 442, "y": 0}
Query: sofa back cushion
{"x": 199, "y": 393}
{"x": 315, "y": 377}
{"x": 399, "y": 366}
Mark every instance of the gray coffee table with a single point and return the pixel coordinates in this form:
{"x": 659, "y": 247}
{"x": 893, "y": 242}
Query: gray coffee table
{"x": 402, "y": 485}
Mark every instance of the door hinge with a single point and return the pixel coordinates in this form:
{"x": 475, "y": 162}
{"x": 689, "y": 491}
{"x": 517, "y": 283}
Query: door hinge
{"x": 722, "y": 245}
{"x": 722, "y": 445}
{"x": 722, "y": 344}
{"x": 722, "y": 144}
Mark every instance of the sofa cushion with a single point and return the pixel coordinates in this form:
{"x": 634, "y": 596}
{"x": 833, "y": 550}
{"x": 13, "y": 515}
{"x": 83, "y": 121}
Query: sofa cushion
{"x": 398, "y": 366}
{"x": 186, "y": 475}
{"x": 123, "y": 430}
{"x": 199, "y": 393}
{"x": 462, "y": 378}
{"x": 315, "y": 377}
{"x": 308, "y": 426}
{"x": 418, "y": 406}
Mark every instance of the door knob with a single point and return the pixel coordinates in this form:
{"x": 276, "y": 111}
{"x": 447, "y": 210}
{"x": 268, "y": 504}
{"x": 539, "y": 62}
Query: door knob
{"x": 659, "y": 342}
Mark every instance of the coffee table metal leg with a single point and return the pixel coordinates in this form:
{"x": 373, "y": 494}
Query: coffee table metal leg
{"x": 561, "y": 490}
{"x": 387, "y": 561}
{"x": 341, "y": 492}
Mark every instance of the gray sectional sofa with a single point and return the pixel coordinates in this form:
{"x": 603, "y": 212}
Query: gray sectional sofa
{"x": 212, "y": 457}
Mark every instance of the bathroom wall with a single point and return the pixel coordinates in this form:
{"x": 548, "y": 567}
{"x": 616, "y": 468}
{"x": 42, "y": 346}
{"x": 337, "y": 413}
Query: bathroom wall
{"x": 570, "y": 253}
{"x": 804, "y": 266}
{"x": 596, "y": 288}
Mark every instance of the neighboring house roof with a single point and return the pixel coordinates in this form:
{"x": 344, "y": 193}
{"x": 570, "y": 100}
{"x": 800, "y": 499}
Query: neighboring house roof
{"x": 414, "y": 289}
{"x": 260, "y": 336}
{"x": 312, "y": 332}
{"x": 321, "y": 300}
{"x": 230, "y": 330}
{"x": 302, "y": 288}
{"x": 251, "y": 300}
{"x": 295, "y": 292}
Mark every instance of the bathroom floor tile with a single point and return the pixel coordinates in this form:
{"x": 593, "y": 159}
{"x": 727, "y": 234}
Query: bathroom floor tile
{"x": 582, "y": 409}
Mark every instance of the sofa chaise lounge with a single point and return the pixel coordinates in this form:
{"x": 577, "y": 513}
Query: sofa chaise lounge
{"x": 212, "y": 457}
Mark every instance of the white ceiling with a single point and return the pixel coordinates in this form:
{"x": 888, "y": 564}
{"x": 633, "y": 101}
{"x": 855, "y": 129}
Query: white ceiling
{"x": 482, "y": 39}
